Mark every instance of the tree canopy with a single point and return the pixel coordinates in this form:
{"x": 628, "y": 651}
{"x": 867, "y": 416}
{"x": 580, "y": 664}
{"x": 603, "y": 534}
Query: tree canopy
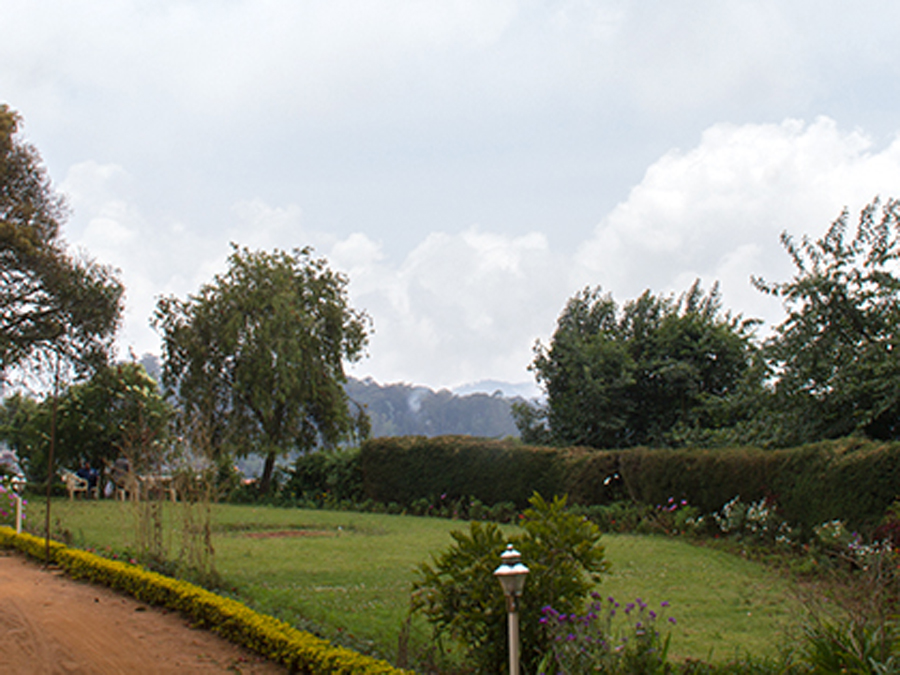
{"x": 118, "y": 411}
{"x": 640, "y": 376}
{"x": 673, "y": 372}
{"x": 49, "y": 299}
{"x": 835, "y": 356}
{"x": 256, "y": 356}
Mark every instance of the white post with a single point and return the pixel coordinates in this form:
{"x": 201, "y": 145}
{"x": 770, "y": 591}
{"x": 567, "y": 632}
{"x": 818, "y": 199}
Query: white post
{"x": 18, "y": 513}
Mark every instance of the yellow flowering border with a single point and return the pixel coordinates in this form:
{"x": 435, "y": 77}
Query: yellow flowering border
{"x": 265, "y": 635}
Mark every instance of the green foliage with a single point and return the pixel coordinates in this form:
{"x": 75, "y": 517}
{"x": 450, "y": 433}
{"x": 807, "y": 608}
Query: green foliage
{"x": 853, "y": 648}
{"x": 459, "y": 596}
{"x": 20, "y": 428}
{"x": 256, "y": 356}
{"x": 647, "y": 375}
{"x": 851, "y": 479}
{"x": 835, "y": 354}
{"x": 118, "y": 410}
{"x": 404, "y": 470}
{"x": 335, "y": 474}
{"x": 50, "y": 301}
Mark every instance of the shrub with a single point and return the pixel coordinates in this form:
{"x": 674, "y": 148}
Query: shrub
{"x": 335, "y": 473}
{"x": 619, "y": 516}
{"x": 852, "y": 647}
{"x": 459, "y": 596}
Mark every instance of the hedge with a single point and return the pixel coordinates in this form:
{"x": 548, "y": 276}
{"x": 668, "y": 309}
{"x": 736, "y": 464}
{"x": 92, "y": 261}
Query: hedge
{"x": 851, "y": 479}
{"x": 409, "y": 468}
{"x": 267, "y": 636}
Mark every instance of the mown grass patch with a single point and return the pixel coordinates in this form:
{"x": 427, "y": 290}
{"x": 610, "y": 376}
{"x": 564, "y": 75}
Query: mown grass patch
{"x": 355, "y": 581}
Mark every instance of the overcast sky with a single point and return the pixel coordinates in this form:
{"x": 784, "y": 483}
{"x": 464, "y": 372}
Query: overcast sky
{"x": 469, "y": 165}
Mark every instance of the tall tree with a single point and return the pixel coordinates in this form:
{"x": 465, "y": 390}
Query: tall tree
{"x": 647, "y": 374}
{"x": 836, "y": 353}
{"x": 100, "y": 419}
{"x": 257, "y": 356}
{"x": 96, "y": 421}
{"x": 49, "y": 300}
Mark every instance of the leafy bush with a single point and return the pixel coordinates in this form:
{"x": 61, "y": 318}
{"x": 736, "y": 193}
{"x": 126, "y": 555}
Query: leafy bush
{"x": 332, "y": 473}
{"x": 852, "y": 647}
{"x": 619, "y": 516}
{"x": 459, "y": 596}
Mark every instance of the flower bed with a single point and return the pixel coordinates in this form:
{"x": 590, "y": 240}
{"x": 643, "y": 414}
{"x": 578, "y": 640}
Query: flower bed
{"x": 273, "y": 639}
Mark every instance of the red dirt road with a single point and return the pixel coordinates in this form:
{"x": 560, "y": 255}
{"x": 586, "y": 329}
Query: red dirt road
{"x": 54, "y": 625}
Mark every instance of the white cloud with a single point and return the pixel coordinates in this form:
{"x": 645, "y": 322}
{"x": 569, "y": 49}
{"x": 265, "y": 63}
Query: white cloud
{"x": 260, "y": 226}
{"x": 717, "y": 210}
{"x": 461, "y": 306}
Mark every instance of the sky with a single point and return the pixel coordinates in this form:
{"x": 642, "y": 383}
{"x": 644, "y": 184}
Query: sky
{"x": 469, "y": 165}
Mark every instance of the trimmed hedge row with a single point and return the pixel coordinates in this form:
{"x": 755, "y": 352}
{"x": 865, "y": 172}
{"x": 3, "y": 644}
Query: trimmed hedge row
{"x": 408, "y": 468}
{"x": 850, "y": 479}
{"x": 273, "y": 639}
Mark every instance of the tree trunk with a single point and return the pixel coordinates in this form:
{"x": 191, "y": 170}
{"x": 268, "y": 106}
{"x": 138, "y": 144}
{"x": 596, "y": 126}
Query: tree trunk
{"x": 265, "y": 481}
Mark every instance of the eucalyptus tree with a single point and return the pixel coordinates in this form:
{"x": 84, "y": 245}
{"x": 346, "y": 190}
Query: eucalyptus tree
{"x": 256, "y": 357}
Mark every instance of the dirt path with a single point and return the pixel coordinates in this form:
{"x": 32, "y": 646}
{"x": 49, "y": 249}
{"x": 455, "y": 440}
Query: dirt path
{"x": 52, "y": 624}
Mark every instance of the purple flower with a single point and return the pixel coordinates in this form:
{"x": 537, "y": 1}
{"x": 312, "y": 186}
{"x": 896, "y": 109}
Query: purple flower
{"x": 664, "y": 603}
{"x": 672, "y": 620}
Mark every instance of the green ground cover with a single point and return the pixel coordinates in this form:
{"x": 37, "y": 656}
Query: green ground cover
{"x": 350, "y": 573}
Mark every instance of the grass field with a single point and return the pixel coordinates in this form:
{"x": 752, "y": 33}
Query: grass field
{"x": 351, "y": 572}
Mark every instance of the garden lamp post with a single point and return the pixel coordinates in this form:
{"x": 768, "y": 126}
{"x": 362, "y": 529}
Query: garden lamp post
{"x": 511, "y": 575}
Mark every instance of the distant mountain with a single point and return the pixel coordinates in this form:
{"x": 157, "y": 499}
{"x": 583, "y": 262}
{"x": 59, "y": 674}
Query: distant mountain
{"x": 409, "y": 410}
{"x": 478, "y": 409}
{"x": 526, "y": 390}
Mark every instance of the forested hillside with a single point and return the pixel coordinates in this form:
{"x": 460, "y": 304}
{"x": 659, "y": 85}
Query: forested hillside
{"x": 408, "y": 410}
{"x": 412, "y": 410}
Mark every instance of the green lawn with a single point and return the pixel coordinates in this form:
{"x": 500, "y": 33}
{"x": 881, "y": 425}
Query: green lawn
{"x": 351, "y": 573}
